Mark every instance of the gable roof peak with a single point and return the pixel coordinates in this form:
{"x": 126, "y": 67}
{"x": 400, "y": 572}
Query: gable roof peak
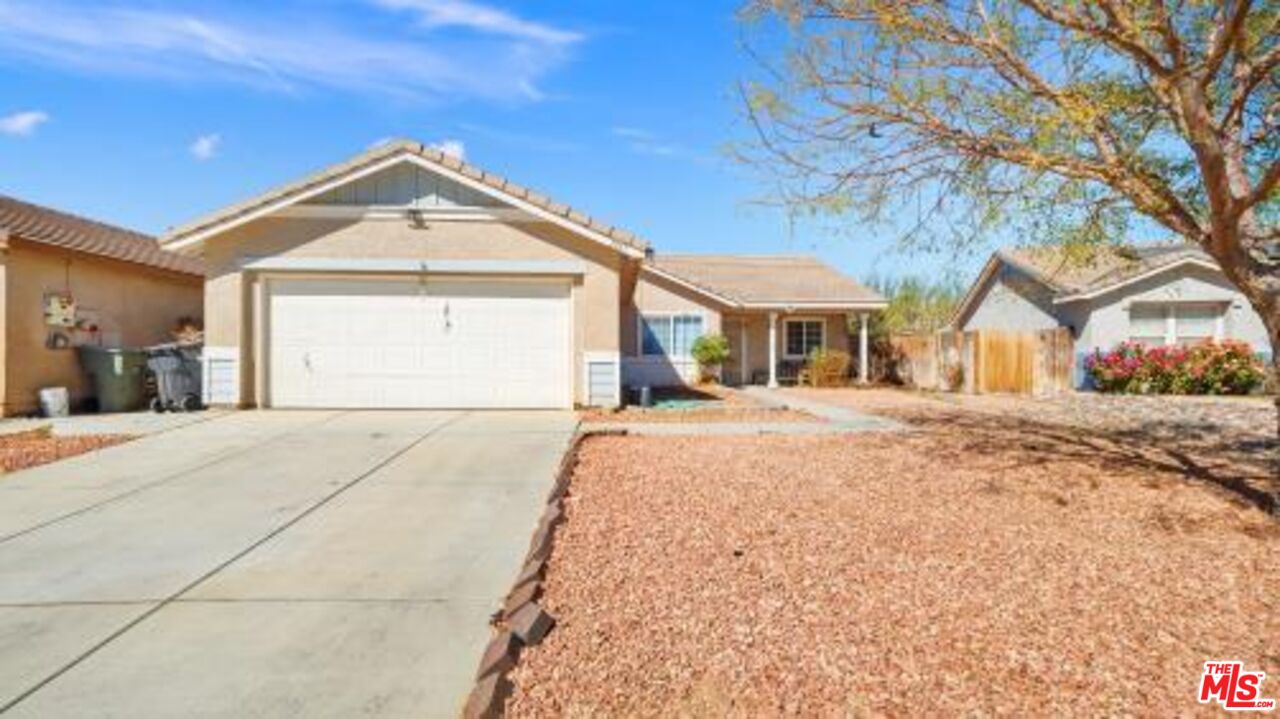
{"x": 376, "y": 158}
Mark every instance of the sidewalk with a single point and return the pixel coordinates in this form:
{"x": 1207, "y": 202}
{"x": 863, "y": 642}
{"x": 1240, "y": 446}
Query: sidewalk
{"x": 838, "y": 420}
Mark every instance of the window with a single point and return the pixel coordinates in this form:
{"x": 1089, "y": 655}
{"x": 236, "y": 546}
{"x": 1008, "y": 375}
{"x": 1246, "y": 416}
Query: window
{"x": 1148, "y": 324}
{"x": 669, "y": 335}
{"x": 802, "y": 337}
{"x": 1181, "y": 323}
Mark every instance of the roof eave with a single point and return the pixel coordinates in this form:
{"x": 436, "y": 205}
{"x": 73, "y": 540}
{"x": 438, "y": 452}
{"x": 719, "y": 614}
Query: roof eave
{"x": 838, "y": 304}
{"x": 1099, "y": 291}
{"x": 189, "y": 237}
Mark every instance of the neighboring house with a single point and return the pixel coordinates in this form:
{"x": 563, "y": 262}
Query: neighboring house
{"x": 1154, "y": 294}
{"x": 407, "y": 278}
{"x": 66, "y": 281}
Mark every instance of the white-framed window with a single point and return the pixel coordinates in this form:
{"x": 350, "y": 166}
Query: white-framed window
{"x": 800, "y": 337}
{"x": 1176, "y": 323}
{"x": 669, "y": 334}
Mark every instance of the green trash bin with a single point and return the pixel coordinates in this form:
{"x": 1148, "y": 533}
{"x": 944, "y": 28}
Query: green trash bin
{"x": 119, "y": 377}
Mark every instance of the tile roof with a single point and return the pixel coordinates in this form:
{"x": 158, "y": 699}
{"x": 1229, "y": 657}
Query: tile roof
{"x": 432, "y": 156}
{"x": 46, "y": 226}
{"x": 779, "y": 279}
{"x": 1071, "y": 270}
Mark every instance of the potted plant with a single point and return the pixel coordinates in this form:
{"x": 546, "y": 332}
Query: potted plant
{"x": 710, "y": 351}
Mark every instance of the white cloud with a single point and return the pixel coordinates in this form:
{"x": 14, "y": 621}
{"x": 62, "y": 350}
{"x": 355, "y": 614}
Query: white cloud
{"x": 455, "y": 148}
{"x": 22, "y": 123}
{"x": 644, "y": 142}
{"x": 633, "y": 133}
{"x": 287, "y": 49}
{"x": 206, "y": 147}
{"x": 481, "y": 18}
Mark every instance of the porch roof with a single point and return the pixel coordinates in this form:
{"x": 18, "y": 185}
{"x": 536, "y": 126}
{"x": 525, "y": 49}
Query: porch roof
{"x": 768, "y": 282}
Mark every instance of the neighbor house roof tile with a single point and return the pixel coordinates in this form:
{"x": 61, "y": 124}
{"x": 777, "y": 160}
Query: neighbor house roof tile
{"x": 1071, "y": 270}
{"x": 46, "y": 226}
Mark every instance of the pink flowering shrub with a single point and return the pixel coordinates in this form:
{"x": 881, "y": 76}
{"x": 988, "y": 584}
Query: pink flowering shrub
{"x": 1207, "y": 368}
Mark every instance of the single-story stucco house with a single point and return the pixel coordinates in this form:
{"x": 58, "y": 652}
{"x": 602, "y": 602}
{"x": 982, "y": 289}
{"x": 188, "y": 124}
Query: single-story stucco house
{"x": 66, "y": 281}
{"x": 1155, "y": 294}
{"x": 405, "y": 277}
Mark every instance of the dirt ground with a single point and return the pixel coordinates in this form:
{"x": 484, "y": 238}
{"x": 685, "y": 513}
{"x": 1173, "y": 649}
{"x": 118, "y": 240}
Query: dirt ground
{"x": 983, "y": 561}
{"x": 20, "y": 450}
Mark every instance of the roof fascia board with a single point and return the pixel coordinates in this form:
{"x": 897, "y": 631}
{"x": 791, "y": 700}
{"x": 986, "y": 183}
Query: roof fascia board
{"x": 971, "y": 296}
{"x": 402, "y": 266}
{"x": 1091, "y": 294}
{"x": 401, "y": 212}
{"x": 387, "y": 162}
{"x": 835, "y": 305}
{"x": 274, "y": 206}
{"x": 528, "y": 207}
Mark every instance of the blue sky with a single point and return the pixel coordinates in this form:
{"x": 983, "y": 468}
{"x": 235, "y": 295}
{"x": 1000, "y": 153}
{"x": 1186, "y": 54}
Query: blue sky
{"x": 147, "y": 114}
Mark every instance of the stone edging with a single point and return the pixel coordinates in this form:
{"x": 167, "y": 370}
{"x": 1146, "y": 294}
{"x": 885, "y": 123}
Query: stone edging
{"x": 522, "y": 621}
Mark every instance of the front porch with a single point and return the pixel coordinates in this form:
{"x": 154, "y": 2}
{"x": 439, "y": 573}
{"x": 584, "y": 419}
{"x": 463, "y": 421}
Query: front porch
{"x": 770, "y": 347}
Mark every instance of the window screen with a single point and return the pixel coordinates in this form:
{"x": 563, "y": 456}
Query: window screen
{"x": 670, "y": 335}
{"x": 1147, "y": 324}
{"x": 657, "y": 334}
{"x": 803, "y": 337}
{"x": 1196, "y": 323}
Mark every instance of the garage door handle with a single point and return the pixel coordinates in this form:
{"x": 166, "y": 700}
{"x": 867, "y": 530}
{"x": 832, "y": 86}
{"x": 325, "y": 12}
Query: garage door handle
{"x": 306, "y": 360}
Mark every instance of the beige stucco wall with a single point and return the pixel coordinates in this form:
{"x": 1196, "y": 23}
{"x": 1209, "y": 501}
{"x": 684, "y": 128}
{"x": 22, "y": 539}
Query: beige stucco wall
{"x": 230, "y": 291}
{"x": 135, "y": 306}
{"x": 757, "y": 339}
{"x": 656, "y": 294}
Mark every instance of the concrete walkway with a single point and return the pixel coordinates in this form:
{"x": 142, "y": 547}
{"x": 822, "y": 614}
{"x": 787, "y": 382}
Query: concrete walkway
{"x": 135, "y": 423}
{"x": 838, "y": 420}
{"x": 294, "y": 564}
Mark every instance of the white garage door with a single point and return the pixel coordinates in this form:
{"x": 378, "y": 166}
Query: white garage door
{"x": 433, "y": 343}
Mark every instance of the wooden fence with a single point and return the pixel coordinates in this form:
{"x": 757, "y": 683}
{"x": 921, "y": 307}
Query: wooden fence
{"x": 987, "y": 361}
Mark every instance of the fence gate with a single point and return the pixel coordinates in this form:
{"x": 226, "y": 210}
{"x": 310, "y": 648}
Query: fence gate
{"x": 1005, "y": 361}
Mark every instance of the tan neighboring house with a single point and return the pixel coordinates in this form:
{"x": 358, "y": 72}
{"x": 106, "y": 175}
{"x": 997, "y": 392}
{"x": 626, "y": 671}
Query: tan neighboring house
{"x": 66, "y": 281}
{"x": 405, "y": 277}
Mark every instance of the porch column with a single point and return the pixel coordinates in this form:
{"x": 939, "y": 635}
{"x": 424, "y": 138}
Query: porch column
{"x": 773, "y": 349}
{"x": 743, "y": 366}
{"x": 863, "y": 374}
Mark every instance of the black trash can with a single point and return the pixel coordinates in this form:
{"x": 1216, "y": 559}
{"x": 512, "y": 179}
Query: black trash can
{"x": 177, "y": 372}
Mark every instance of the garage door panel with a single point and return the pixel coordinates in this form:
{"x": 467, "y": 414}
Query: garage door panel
{"x": 406, "y": 344}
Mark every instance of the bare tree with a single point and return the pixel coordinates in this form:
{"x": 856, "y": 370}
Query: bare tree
{"x": 1071, "y": 116}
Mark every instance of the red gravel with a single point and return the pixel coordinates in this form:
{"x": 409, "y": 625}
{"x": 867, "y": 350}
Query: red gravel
{"x": 21, "y": 450}
{"x": 920, "y": 573}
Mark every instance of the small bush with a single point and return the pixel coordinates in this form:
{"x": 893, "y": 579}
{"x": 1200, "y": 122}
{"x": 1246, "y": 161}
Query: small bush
{"x": 710, "y": 351}
{"x": 953, "y": 375}
{"x": 829, "y": 368}
{"x": 1206, "y": 368}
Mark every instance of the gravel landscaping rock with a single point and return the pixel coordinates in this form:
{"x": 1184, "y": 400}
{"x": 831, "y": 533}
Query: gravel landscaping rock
{"x": 31, "y": 448}
{"x": 976, "y": 564}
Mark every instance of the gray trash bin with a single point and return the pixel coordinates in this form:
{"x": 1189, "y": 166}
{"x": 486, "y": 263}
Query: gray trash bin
{"x": 119, "y": 377}
{"x": 177, "y": 372}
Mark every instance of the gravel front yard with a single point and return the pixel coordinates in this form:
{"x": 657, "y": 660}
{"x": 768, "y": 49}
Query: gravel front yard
{"x": 20, "y": 450}
{"x": 977, "y": 563}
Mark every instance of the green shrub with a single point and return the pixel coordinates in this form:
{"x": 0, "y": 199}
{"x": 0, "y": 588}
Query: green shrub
{"x": 829, "y": 368}
{"x": 710, "y": 351}
{"x": 1206, "y": 368}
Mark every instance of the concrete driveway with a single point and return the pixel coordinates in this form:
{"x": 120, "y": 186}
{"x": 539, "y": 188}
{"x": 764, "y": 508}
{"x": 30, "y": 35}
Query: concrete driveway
{"x": 269, "y": 564}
